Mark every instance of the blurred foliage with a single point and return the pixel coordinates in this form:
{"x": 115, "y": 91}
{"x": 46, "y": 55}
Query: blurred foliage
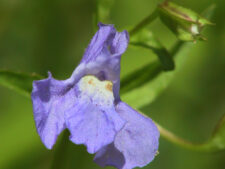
{"x": 218, "y": 139}
{"x": 103, "y": 10}
{"x": 37, "y": 36}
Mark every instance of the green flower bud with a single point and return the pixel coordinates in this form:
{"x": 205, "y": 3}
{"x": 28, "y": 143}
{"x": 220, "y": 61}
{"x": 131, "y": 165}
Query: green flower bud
{"x": 186, "y": 24}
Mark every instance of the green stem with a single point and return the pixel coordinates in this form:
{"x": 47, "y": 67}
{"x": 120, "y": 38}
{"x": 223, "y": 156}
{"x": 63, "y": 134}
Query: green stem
{"x": 171, "y": 137}
{"x": 59, "y": 156}
{"x": 176, "y": 48}
{"x": 144, "y": 22}
{"x": 168, "y": 135}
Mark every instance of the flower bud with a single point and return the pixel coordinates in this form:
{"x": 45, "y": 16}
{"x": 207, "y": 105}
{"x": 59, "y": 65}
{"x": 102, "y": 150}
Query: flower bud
{"x": 186, "y": 24}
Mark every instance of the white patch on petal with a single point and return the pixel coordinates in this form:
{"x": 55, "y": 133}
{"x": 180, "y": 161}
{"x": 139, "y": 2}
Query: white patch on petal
{"x": 100, "y": 92}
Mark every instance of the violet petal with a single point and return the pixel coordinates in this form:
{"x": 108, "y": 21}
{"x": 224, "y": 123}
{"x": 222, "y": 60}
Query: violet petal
{"x": 93, "y": 120}
{"x": 50, "y": 99}
{"x": 137, "y": 141}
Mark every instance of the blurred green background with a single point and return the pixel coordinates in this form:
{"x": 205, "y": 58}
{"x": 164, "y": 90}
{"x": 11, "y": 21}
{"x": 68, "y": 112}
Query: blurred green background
{"x": 42, "y": 35}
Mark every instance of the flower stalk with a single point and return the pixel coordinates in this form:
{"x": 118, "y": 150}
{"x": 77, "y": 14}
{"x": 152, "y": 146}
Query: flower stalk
{"x": 144, "y": 22}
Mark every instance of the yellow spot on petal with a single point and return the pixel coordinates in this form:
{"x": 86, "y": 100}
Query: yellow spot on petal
{"x": 91, "y": 82}
{"x": 109, "y": 86}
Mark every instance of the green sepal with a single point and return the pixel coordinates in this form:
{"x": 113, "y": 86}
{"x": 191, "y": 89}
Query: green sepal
{"x": 185, "y": 23}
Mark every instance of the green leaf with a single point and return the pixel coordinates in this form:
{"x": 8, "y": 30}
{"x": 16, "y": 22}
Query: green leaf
{"x": 19, "y": 82}
{"x": 147, "y": 40}
{"x": 147, "y": 83}
{"x": 185, "y": 23}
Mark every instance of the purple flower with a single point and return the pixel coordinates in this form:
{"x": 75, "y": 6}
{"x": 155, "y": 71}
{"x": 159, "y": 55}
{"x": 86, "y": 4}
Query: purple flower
{"x": 89, "y": 105}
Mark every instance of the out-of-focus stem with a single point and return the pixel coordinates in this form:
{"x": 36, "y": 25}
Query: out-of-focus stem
{"x": 171, "y": 137}
{"x": 176, "y": 48}
{"x": 144, "y": 22}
